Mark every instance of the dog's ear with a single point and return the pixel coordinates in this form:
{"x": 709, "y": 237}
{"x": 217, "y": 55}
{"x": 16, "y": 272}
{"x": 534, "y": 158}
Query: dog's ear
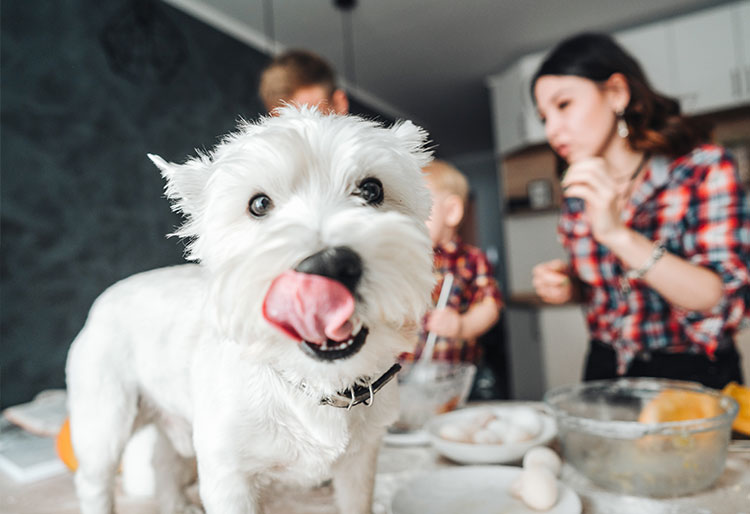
{"x": 414, "y": 139}
{"x": 185, "y": 182}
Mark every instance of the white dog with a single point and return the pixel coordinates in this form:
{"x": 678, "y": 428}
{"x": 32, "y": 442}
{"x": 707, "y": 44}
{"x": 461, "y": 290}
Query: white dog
{"x": 315, "y": 266}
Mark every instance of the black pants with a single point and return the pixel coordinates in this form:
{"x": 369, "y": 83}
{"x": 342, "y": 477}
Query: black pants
{"x": 601, "y": 363}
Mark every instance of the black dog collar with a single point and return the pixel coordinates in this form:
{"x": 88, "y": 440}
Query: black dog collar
{"x": 357, "y": 394}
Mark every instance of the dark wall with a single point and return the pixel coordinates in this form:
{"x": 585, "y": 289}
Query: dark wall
{"x": 88, "y": 89}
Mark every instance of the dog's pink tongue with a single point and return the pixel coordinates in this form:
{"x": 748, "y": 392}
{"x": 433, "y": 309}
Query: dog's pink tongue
{"x": 309, "y": 307}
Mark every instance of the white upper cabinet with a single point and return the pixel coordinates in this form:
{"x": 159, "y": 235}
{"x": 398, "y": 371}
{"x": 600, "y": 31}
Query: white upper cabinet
{"x": 534, "y": 126}
{"x": 707, "y": 58}
{"x": 743, "y": 43}
{"x": 515, "y": 120}
{"x": 507, "y": 115}
{"x": 650, "y": 46}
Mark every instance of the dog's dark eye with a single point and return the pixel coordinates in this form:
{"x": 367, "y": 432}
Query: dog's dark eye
{"x": 260, "y": 205}
{"x": 371, "y": 190}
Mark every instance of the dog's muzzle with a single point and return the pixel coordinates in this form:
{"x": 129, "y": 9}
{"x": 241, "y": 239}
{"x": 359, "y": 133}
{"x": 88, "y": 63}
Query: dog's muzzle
{"x": 339, "y": 263}
{"x": 314, "y": 304}
{"x": 344, "y": 266}
{"x": 331, "y": 350}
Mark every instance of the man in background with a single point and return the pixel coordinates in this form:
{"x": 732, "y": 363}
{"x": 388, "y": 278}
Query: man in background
{"x": 301, "y": 77}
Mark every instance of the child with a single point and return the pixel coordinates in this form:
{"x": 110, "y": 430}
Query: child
{"x": 474, "y": 303}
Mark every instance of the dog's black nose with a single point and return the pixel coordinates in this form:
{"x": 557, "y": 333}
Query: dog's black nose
{"x": 340, "y": 263}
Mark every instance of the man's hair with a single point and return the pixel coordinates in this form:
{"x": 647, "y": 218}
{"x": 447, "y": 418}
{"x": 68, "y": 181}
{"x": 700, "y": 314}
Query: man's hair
{"x": 291, "y": 71}
{"x": 447, "y": 178}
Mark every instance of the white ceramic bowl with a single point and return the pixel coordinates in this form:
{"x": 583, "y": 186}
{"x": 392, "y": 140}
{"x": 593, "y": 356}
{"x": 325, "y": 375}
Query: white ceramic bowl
{"x": 476, "y": 453}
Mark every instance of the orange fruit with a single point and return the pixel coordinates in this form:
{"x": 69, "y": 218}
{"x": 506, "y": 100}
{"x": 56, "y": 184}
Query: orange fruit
{"x": 678, "y": 405}
{"x": 742, "y": 395}
{"x": 64, "y": 447}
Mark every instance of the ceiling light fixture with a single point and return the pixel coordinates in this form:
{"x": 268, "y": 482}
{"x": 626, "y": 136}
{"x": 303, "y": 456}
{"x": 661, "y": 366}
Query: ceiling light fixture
{"x": 346, "y": 7}
{"x": 268, "y": 26}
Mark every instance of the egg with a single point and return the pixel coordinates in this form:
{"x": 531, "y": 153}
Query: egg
{"x": 456, "y": 432}
{"x": 528, "y": 420}
{"x": 516, "y": 434}
{"x": 538, "y": 487}
{"x": 499, "y": 426}
{"x": 543, "y": 456}
{"x": 483, "y": 418}
{"x": 485, "y": 436}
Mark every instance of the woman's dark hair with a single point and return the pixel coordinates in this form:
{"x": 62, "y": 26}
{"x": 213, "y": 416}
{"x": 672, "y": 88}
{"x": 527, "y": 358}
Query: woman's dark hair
{"x": 655, "y": 122}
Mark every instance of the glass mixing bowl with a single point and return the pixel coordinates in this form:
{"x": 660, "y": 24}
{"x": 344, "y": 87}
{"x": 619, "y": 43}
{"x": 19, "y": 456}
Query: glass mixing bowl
{"x": 430, "y": 388}
{"x": 601, "y": 435}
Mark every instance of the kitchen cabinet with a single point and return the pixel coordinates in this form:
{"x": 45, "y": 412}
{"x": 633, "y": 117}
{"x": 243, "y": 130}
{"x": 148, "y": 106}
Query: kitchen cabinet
{"x": 743, "y": 40}
{"x": 519, "y": 171}
{"x": 708, "y": 49}
{"x": 546, "y": 344}
{"x": 546, "y": 348}
{"x": 651, "y": 45}
{"x": 516, "y": 123}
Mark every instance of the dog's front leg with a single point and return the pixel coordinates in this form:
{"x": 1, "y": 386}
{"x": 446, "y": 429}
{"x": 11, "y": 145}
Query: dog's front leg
{"x": 354, "y": 478}
{"x": 224, "y": 485}
{"x": 225, "y": 490}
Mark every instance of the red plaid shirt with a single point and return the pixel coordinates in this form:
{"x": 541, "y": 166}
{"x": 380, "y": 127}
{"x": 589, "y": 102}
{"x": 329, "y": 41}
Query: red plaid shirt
{"x": 694, "y": 204}
{"x": 473, "y": 281}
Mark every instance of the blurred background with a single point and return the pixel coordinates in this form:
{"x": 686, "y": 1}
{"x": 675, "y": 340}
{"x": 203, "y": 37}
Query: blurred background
{"x": 88, "y": 88}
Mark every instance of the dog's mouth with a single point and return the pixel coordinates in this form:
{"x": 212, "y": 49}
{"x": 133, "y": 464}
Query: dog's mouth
{"x": 331, "y": 350}
{"x": 318, "y": 312}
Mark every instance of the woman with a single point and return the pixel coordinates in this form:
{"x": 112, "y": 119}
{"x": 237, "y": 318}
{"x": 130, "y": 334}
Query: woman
{"x": 655, "y": 221}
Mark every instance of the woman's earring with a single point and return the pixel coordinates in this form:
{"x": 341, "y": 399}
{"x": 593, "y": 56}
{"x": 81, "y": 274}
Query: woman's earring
{"x": 622, "y": 126}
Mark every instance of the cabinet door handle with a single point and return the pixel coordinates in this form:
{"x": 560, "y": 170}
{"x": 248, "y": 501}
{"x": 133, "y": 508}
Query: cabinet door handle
{"x": 747, "y": 79}
{"x": 521, "y": 130}
{"x": 735, "y": 78}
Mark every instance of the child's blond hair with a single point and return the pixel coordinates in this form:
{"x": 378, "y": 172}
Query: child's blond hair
{"x": 447, "y": 178}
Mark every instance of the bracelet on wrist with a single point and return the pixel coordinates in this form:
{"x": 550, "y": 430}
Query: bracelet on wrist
{"x": 636, "y": 274}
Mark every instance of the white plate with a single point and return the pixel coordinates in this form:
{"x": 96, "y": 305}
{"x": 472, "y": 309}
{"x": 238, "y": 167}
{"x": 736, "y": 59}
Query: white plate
{"x": 473, "y": 490}
{"x": 474, "y": 453}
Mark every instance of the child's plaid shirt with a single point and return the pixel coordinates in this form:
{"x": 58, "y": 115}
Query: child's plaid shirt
{"x": 473, "y": 281}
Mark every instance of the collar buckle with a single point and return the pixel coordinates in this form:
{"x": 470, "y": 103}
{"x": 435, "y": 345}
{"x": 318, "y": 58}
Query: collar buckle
{"x": 360, "y": 394}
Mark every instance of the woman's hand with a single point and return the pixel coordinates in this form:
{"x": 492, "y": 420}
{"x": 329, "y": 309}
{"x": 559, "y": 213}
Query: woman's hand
{"x": 444, "y": 322}
{"x": 589, "y": 180}
{"x": 552, "y": 282}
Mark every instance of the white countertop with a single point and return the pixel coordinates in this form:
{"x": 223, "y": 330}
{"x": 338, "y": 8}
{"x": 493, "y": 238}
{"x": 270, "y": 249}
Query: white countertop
{"x": 396, "y": 465}
{"x": 730, "y": 495}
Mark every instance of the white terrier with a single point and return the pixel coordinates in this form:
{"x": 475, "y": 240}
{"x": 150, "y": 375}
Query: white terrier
{"x": 315, "y": 266}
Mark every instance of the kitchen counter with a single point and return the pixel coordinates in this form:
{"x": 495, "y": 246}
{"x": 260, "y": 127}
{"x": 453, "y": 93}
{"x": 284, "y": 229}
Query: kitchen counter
{"x": 730, "y": 495}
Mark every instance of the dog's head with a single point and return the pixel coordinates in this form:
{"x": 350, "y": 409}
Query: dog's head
{"x": 312, "y": 229}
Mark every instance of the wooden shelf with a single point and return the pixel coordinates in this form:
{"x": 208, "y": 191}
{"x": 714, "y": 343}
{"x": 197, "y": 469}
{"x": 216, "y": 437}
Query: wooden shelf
{"x": 530, "y": 300}
{"x": 528, "y": 211}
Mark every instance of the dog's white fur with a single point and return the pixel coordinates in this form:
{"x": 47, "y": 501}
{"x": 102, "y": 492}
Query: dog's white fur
{"x": 186, "y": 347}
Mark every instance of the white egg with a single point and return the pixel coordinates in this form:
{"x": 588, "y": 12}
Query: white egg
{"x": 543, "y": 456}
{"x": 485, "y": 436}
{"x": 455, "y": 432}
{"x": 538, "y": 488}
{"x": 482, "y": 418}
{"x": 499, "y": 426}
{"x": 516, "y": 434}
{"x": 528, "y": 419}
